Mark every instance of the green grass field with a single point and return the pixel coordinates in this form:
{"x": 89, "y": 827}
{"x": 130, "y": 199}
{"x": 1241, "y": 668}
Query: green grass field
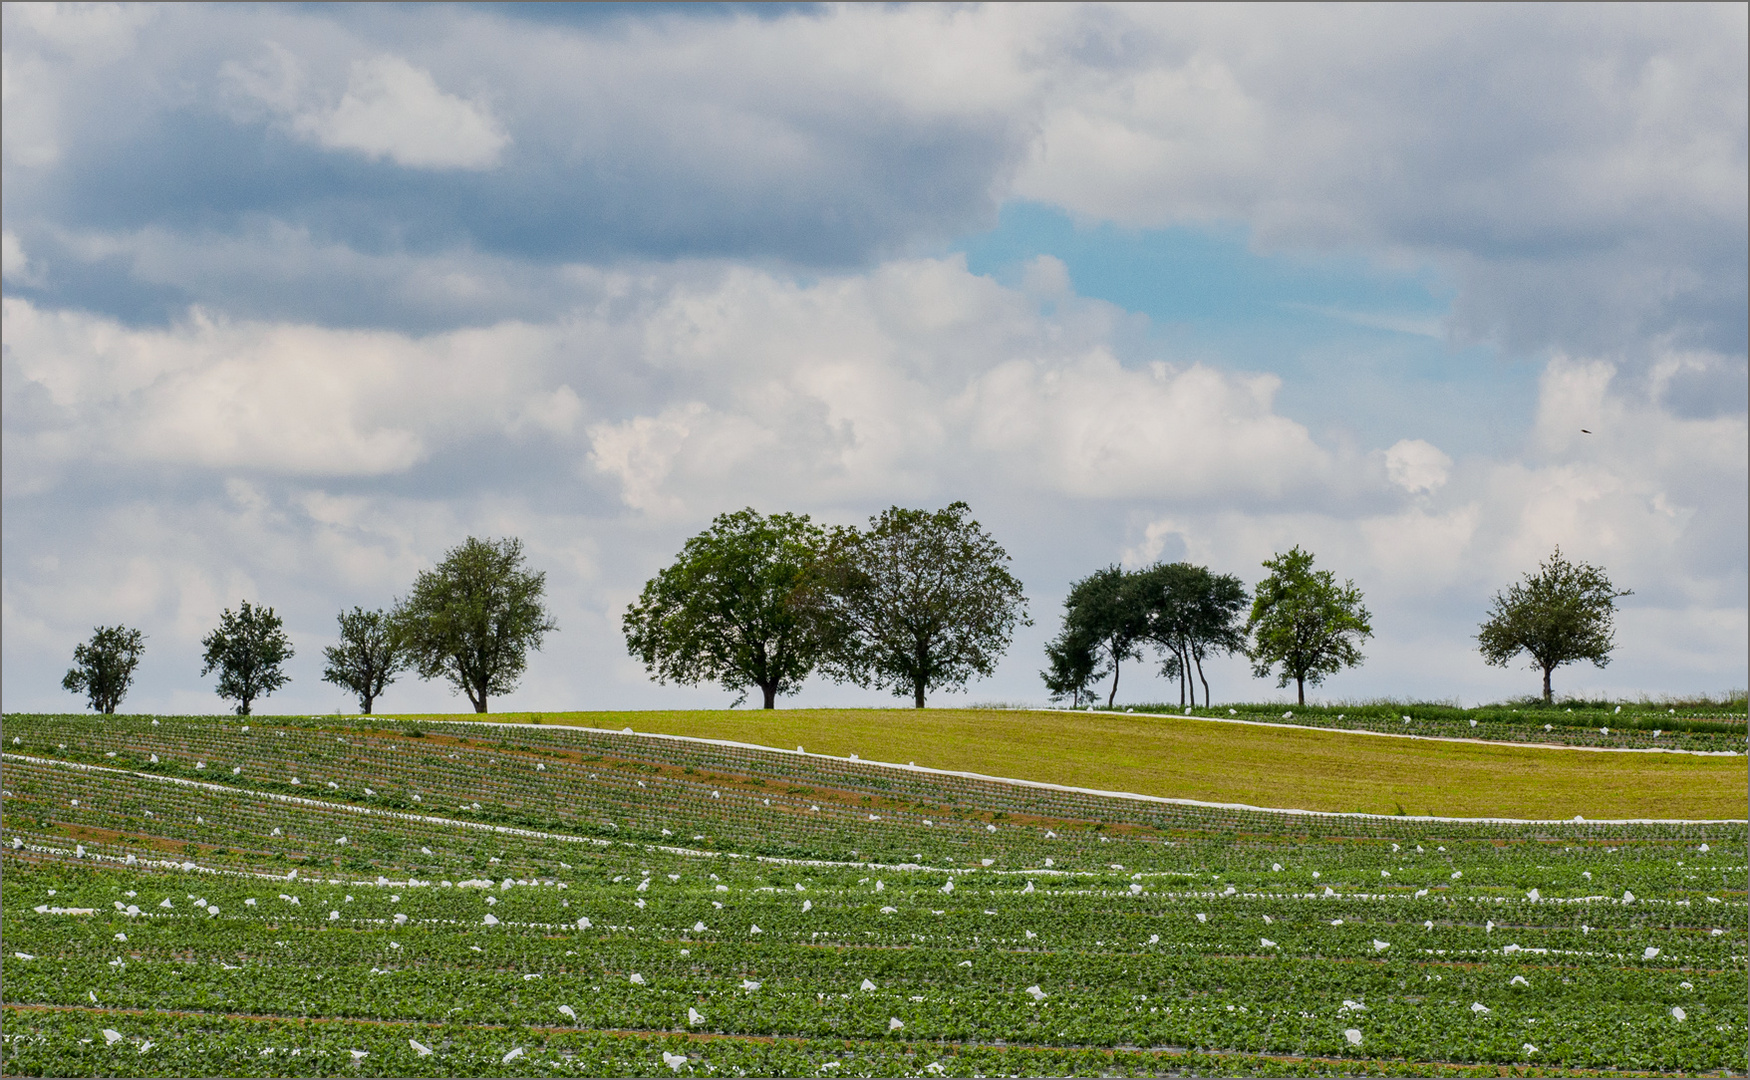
{"x": 1260, "y": 766}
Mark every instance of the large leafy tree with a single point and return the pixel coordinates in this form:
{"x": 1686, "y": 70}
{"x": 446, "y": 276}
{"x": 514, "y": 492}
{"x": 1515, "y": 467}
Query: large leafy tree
{"x": 248, "y": 650}
{"x": 1304, "y": 621}
{"x": 919, "y": 601}
{"x": 368, "y": 657}
{"x": 1193, "y": 613}
{"x": 1562, "y": 614}
{"x": 474, "y": 617}
{"x": 1105, "y": 622}
{"x": 727, "y": 610}
{"x": 103, "y": 668}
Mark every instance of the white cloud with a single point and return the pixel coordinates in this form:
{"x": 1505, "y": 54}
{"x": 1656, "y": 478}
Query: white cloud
{"x": 390, "y": 109}
{"x": 393, "y": 109}
{"x": 222, "y": 394}
{"x": 15, "y": 266}
{"x": 1416, "y": 466}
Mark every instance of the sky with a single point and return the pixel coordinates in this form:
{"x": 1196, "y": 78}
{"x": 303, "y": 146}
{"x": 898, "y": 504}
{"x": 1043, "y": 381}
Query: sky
{"x": 297, "y": 298}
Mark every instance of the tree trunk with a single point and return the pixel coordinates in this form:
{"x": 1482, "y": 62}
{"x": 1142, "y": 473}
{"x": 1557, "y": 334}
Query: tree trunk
{"x": 1113, "y": 696}
{"x": 771, "y": 692}
{"x": 1202, "y": 679}
{"x": 1300, "y": 688}
{"x": 480, "y": 702}
{"x": 367, "y": 703}
{"x": 1548, "y": 698}
{"x": 1180, "y": 649}
{"x": 917, "y": 693}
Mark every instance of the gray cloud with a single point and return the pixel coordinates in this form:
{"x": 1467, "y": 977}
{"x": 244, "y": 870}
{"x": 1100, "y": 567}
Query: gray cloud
{"x": 1580, "y": 172}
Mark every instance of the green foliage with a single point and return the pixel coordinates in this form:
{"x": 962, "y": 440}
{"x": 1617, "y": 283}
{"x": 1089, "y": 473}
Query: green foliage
{"x": 920, "y": 601}
{"x": 1560, "y": 615}
{"x": 104, "y": 667}
{"x": 473, "y": 619}
{"x": 247, "y": 649}
{"x": 1193, "y": 613}
{"x": 1106, "y": 618}
{"x": 1073, "y": 666}
{"x": 368, "y": 657}
{"x": 1303, "y": 620}
{"x": 1261, "y": 938}
{"x": 726, "y": 610}
{"x": 1185, "y": 611}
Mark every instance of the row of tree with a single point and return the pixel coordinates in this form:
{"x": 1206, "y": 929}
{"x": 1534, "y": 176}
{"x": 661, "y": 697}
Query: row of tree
{"x": 916, "y": 602}
{"x": 1301, "y": 621}
{"x": 919, "y": 601}
{"x": 471, "y": 620}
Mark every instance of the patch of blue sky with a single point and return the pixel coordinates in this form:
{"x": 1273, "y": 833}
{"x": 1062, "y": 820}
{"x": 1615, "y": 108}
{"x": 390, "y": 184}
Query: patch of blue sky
{"x": 1360, "y": 347}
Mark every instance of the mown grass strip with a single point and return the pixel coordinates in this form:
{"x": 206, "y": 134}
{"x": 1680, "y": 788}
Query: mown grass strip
{"x": 1180, "y": 757}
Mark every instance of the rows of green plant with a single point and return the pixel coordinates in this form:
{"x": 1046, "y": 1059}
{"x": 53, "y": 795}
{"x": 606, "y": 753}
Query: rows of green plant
{"x": 70, "y": 1042}
{"x": 1611, "y": 948}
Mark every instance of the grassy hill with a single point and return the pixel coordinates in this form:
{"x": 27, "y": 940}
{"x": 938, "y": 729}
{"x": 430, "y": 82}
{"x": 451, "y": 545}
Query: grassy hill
{"x": 1190, "y": 758}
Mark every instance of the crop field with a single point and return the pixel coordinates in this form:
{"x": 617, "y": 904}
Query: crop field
{"x": 358, "y": 896}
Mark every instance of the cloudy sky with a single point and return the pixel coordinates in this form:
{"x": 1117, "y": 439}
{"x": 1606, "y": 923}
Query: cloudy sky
{"x": 296, "y": 298}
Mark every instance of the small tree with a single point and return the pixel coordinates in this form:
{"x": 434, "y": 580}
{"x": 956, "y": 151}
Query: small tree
{"x": 1073, "y": 667}
{"x": 920, "y": 601}
{"x": 1107, "y": 615}
{"x": 247, "y": 650}
{"x": 104, "y": 667}
{"x": 1303, "y": 620}
{"x": 726, "y": 611}
{"x": 474, "y": 618}
{"x": 1562, "y": 614}
{"x": 368, "y": 656}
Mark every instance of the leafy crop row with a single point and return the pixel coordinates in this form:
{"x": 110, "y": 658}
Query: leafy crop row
{"x": 243, "y": 929}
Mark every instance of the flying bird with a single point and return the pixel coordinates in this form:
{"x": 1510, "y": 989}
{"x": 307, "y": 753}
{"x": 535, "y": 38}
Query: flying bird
{"x": 1585, "y": 431}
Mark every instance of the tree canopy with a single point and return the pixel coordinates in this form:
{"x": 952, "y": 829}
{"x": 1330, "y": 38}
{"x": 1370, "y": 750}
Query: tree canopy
{"x": 1184, "y": 611}
{"x": 474, "y": 617}
{"x": 922, "y": 600}
{"x": 1303, "y": 620}
{"x": 1560, "y": 615}
{"x": 1106, "y": 615}
{"x": 1193, "y": 613}
{"x": 1073, "y": 665}
{"x": 103, "y": 668}
{"x": 727, "y": 609}
{"x": 248, "y": 650}
{"x": 368, "y": 657}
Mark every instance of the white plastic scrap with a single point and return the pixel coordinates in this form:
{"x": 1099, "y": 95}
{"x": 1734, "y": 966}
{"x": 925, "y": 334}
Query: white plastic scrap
{"x": 566, "y": 1010}
{"x": 111, "y": 1036}
{"x": 693, "y": 1017}
{"x": 419, "y": 1048}
{"x": 515, "y": 1053}
{"x": 674, "y": 1061}
{"x": 1353, "y": 1035}
{"x": 1038, "y": 994}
